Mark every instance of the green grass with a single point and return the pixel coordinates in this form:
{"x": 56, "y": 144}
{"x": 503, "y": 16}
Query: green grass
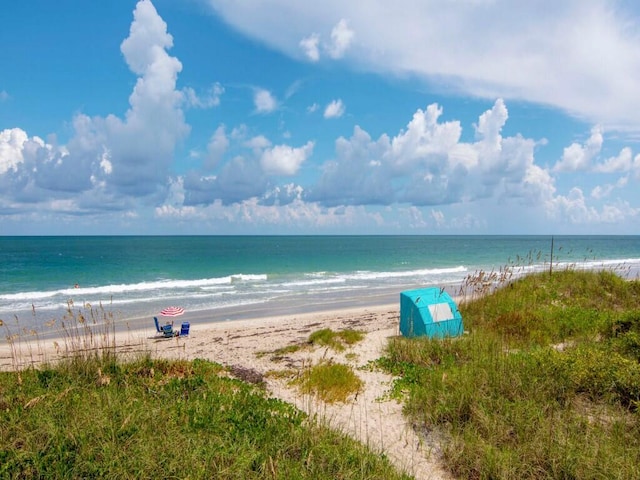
{"x": 546, "y": 384}
{"x": 336, "y": 340}
{"x": 331, "y": 382}
{"x": 100, "y": 418}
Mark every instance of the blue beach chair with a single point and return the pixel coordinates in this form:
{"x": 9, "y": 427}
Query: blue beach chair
{"x": 166, "y": 330}
{"x": 184, "y": 330}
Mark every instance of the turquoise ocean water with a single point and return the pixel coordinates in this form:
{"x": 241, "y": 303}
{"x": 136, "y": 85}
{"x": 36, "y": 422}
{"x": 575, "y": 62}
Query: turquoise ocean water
{"x": 231, "y": 277}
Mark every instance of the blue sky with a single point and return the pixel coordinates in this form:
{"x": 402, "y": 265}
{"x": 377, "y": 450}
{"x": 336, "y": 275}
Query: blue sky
{"x": 287, "y": 117}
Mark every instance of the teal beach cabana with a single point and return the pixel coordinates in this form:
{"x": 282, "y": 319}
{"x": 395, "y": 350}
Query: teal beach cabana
{"x": 429, "y": 311}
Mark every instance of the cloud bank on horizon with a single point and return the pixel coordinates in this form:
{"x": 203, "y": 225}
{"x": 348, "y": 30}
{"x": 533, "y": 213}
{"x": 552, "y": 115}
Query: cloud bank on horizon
{"x": 318, "y": 138}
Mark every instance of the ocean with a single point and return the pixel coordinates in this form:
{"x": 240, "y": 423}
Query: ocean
{"x": 221, "y": 278}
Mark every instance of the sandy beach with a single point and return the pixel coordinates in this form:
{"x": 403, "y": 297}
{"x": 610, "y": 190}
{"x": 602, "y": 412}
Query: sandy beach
{"x": 247, "y": 347}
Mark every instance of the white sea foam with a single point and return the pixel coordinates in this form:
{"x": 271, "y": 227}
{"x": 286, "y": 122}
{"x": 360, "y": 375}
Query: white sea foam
{"x": 427, "y": 272}
{"x": 161, "y": 285}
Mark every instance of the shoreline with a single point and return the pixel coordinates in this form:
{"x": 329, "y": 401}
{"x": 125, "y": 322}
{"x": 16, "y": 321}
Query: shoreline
{"x": 251, "y": 314}
{"x": 103, "y": 322}
{"x": 247, "y": 315}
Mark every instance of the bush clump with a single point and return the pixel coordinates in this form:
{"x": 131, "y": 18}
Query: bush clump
{"x": 331, "y": 382}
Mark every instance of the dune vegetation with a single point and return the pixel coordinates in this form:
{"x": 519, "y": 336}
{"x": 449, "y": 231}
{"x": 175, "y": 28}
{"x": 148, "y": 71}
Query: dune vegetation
{"x": 545, "y": 383}
{"x": 97, "y": 417}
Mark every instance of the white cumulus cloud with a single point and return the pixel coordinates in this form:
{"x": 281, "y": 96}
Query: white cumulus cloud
{"x": 620, "y": 163}
{"x": 12, "y": 142}
{"x": 285, "y": 160}
{"x": 427, "y": 164}
{"x": 334, "y": 109}
{"x": 264, "y": 101}
{"x": 578, "y": 157}
{"x": 311, "y": 47}
{"x": 109, "y": 161}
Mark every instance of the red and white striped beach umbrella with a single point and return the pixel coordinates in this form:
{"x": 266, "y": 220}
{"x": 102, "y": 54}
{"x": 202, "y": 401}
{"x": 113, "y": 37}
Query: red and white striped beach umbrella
{"x": 172, "y": 311}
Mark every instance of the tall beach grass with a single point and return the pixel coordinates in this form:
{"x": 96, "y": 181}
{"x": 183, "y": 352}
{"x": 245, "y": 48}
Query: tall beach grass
{"x": 544, "y": 384}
